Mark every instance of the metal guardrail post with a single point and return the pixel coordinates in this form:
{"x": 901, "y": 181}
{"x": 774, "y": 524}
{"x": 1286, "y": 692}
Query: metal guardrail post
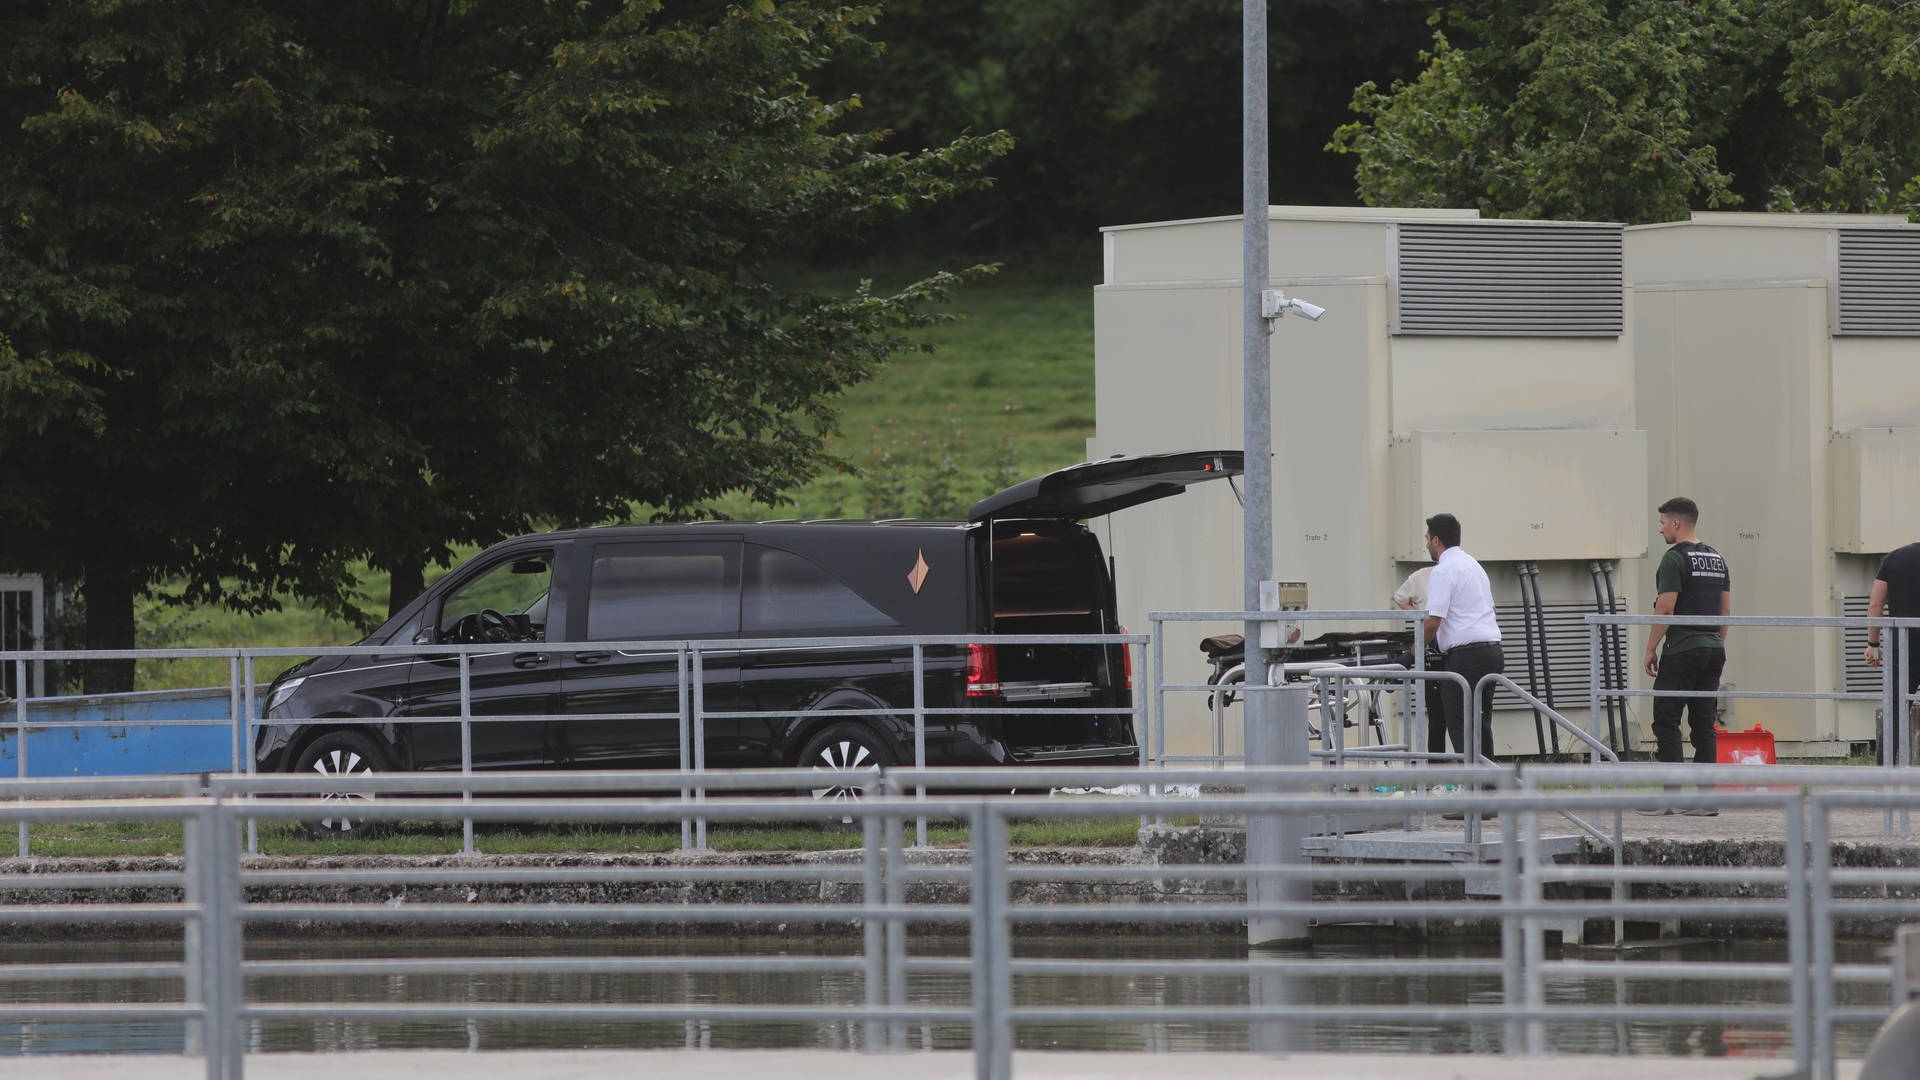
{"x": 1157, "y": 628}
{"x": 686, "y": 737}
{"x": 245, "y": 764}
{"x": 1000, "y": 938}
{"x": 873, "y": 932}
{"x": 1533, "y": 929}
{"x": 195, "y": 835}
{"x": 699, "y": 682}
{"x": 1513, "y": 892}
{"x": 980, "y": 926}
{"x": 1821, "y": 911}
{"x": 1274, "y": 840}
{"x": 1905, "y": 729}
{"x": 225, "y": 901}
{"x": 920, "y": 732}
{"x": 1796, "y": 859}
{"x": 236, "y": 716}
{"x": 466, "y": 745}
{"x": 1142, "y": 716}
{"x": 20, "y": 741}
{"x": 203, "y": 877}
{"x": 895, "y": 878}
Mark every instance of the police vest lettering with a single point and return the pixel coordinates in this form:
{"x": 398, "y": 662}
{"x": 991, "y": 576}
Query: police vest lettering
{"x": 1705, "y": 582}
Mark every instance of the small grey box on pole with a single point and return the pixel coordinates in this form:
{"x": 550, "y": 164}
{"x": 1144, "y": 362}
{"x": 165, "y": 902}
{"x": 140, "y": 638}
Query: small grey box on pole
{"x": 1278, "y": 730}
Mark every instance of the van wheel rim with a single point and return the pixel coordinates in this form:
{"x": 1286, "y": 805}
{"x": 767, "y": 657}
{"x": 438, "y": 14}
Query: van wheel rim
{"x": 343, "y": 764}
{"x": 838, "y": 762}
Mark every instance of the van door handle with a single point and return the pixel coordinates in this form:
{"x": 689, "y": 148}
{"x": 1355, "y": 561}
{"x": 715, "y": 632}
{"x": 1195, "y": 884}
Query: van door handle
{"x": 529, "y": 660}
{"x": 593, "y": 657}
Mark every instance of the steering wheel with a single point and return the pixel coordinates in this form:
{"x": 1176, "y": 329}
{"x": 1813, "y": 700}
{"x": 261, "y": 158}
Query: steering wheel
{"x": 493, "y": 626}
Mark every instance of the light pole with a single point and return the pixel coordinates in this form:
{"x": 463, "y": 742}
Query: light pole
{"x": 1276, "y": 720}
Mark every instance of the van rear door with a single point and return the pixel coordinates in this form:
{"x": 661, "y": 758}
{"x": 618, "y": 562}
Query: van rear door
{"x": 1046, "y": 575}
{"x": 1095, "y": 488}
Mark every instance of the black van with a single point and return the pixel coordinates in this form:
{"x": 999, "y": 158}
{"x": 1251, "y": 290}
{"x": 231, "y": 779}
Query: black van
{"x": 1022, "y": 563}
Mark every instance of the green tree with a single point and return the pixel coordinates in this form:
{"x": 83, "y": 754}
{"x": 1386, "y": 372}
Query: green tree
{"x": 1125, "y": 111}
{"x": 1641, "y": 110}
{"x": 283, "y": 284}
{"x": 1855, "y": 73}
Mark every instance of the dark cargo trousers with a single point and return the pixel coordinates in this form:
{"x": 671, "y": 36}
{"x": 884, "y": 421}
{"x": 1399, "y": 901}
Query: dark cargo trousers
{"x": 1694, "y": 669}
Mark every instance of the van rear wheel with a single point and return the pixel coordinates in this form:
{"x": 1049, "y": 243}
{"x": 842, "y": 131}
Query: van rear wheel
{"x": 843, "y": 758}
{"x": 345, "y": 756}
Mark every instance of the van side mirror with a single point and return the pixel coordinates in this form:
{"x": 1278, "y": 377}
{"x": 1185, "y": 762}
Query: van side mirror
{"x": 529, "y": 566}
{"x": 424, "y": 636}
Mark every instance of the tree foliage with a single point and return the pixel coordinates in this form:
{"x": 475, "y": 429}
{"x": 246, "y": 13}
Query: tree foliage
{"x": 1641, "y": 110}
{"x": 283, "y": 285}
{"x": 1125, "y": 111}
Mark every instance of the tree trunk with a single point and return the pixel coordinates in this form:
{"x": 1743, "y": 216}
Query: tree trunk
{"x": 108, "y": 590}
{"x": 404, "y": 583}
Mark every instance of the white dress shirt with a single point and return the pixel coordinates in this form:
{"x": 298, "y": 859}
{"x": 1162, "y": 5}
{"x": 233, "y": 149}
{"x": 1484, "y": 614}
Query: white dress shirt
{"x": 1413, "y": 591}
{"x": 1461, "y": 597}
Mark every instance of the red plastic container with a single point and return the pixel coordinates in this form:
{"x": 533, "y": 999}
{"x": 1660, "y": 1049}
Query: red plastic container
{"x": 1753, "y": 746}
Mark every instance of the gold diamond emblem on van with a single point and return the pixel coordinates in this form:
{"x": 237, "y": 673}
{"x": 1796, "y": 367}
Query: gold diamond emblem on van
{"x": 917, "y": 576}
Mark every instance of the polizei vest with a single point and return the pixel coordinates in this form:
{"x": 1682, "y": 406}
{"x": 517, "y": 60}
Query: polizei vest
{"x": 1705, "y": 581}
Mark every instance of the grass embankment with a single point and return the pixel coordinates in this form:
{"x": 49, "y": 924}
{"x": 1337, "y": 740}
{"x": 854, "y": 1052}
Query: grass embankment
{"x": 1006, "y": 393}
{"x": 135, "y": 838}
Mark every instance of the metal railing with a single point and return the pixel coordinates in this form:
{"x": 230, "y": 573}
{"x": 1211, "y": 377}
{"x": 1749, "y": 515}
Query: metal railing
{"x": 996, "y": 897}
{"x": 244, "y": 714}
{"x": 1894, "y": 700}
{"x": 1414, "y": 712}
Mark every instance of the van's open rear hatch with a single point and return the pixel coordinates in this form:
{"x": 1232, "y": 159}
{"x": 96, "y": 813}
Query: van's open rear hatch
{"x": 1048, "y": 578}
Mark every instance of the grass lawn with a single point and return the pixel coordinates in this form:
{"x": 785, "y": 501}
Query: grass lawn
{"x": 1006, "y": 394}
{"x": 143, "y": 838}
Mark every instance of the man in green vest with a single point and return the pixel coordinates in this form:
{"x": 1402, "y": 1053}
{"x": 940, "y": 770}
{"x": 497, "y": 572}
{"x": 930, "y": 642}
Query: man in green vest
{"x": 1691, "y": 580}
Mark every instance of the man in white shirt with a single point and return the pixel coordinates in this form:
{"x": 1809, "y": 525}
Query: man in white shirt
{"x": 1460, "y": 622}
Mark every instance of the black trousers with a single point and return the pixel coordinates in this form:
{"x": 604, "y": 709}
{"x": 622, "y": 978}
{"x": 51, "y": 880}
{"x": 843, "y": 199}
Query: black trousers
{"x": 1694, "y": 669}
{"x": 1471, "y": 663}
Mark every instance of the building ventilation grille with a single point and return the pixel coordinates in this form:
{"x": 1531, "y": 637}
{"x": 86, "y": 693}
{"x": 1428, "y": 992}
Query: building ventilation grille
{"x": 1857, "y": 677}
{"x": 1879, "y": 290}
{"x": 1566, "y": 660}
{"x": 1533, "y": 280}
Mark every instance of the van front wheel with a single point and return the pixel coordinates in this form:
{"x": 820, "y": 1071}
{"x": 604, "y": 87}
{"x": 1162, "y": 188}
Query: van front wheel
{"x": 843, "y": 757}
{"x": 343, "y": 756}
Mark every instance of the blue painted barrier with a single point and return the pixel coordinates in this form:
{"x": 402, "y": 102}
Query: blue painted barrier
{"x": 141, "y": 734}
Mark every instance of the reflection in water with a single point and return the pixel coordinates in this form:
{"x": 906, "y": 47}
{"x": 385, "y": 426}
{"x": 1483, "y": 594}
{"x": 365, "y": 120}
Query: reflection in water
{"x": 1229, "y": 987}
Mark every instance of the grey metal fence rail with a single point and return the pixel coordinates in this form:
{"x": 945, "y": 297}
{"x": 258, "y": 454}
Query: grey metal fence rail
{"x": 994, "y": 897}
{"x": 245, "y": 715}
{"x": 1894, "y": 700}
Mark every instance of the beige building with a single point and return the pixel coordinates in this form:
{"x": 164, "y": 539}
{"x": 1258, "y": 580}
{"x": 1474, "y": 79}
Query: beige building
{"x": 1778, "y": 375}
{"x": 1528, "y": 377}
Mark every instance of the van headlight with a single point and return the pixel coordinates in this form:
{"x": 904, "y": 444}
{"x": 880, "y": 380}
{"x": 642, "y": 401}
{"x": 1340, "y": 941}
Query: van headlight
{"x": 284, "y": 691}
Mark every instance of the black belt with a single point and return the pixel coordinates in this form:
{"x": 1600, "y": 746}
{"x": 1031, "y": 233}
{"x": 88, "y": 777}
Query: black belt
{"x": 1472, "y": 645}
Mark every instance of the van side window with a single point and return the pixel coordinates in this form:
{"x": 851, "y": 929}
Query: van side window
{"x": 663, "y": 594}
{"x": 785, "y": 591}
{"x": 507, "y": 602}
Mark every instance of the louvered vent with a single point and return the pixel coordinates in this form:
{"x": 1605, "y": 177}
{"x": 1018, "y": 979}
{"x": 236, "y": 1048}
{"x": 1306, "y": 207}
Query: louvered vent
{"x": 1879, "y": 290}
{"x": 1565, "y": 662}
{"x": 1532, "y": 280}
{"x": 1857, "y": 677}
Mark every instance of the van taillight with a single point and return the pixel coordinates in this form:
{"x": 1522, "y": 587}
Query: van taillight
{"x": 1126, "y": 660}
{"x": 983, "y": 670}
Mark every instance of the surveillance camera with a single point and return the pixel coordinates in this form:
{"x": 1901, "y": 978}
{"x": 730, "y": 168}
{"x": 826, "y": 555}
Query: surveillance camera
{"x": 1274, "y": 304}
